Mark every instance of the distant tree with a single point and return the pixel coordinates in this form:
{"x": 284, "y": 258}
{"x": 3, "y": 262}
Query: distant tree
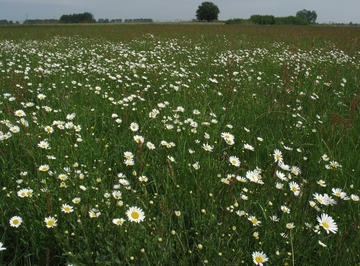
{"x": 207, "y": 11}
{"x": 78, "y": 18}
{"x": 309, "y": 16}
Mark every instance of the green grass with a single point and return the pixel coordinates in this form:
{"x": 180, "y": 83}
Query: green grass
{"x": 292, "y": 89}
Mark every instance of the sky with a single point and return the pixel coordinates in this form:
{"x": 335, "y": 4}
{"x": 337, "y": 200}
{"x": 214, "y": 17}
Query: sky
{"x": 338, "y": 11}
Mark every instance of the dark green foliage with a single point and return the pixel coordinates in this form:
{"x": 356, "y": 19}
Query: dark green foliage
{"x": 236, "y": 21}
{"x": 263, "y": 19}
{"x": 290, "y": 20}
{"x": 309, "y": 16}
{"x": 207, "y": 11}
{"x": 78, "y": 18}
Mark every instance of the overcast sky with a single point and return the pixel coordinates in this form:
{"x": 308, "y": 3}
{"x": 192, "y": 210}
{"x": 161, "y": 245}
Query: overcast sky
{"x": 340, "y": 11}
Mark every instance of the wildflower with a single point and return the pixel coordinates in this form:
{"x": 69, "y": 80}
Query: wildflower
{"x": 295, "y": 188}
{"x": 178, "y": 213}
{"x": 150, "y": 145}
{"x": 22, "y": 193}
{"x": 254, "y": 176}
{"x": 134, "y": 126}
{"x": 321, "y": 183}
{"x": 116, "y": 194}
{"x": 62, "y": 177}
{"x": 76, "y": 200}
{"x": 285, "y": 209}
{"x": 248, "y": 147}
{"x": 128, "y": 155}
{"x": 15, "y": 221}
{"x": 207, "y": 147}
{"x": 338, "y": 193}
{"x": 196, "y": 166}
{"x": 14, "y": 129}
{"x": 322, "y": 244}
{"x": 354, "y": 197}
{"x": 67, "y": 208}
{"x": 170, "y": 158}
{"x": 290, "y": 226}
{"x": 41, "y": 96}
{"x": 49, "y": 129}
{"x": 143, "y": 178}
{"x": 281, "y": 175}
{"x": 135, "y": 214}
{"x": 139, "y": 139}
{"x": 234, "y": 161}
{"x": 129, "y": 162}
{"x": 44, "y": 144}
{"x": 50, "y": 222}
{"x": 2, "y": 246}
{"x": 325, "y": 158}
{"x": 327, "y": 223}
{"x": 254, "y": 221}
{"x": 274, "y": 218}
{"x": 118, "y": 221}
{"x": 20, "y": 113}
{"x": 227, "y": 137}
{"x": 295, "y": 170}
{"x": 277, "y": 155}
{"x": 94, "y": 213}
{"x": 259, "y": 257}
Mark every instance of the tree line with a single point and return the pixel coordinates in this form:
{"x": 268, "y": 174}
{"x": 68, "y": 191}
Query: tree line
{"x": 85, "y": 17}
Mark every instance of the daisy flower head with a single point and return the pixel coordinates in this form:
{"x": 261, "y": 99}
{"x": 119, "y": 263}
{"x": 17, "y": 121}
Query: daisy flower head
{"x": 248, "y": 147}
{"x": 338, "y": 193}
{"x": 67, "y": 208}
{"x": 134, "y": 126}
{"x": 227, "y": 136}
{"x": 2, "y": 246}
{"x": 118, "y": 221}
{"x": 295, "y": 170}
{"x": 76, "y": 200}
{"x": 15, "y": 221}
{"x": 259, "y": 257}
{"x": 139, "y": 139}
{"x": 255, "y": 222}
{"x": 207, "y": 147}
{"x": 44, "y": 144}
{"x": 135, "y": 214}
{"x": 49, "y": 129}
{"x": 50, "y": 222}
{"x": 295, "y": 188}
{"x": 354, "y": 197}
{"x": 196, "y": 166}
{"x": 20, "y": 113}
{"x": 44, "y": 168}
{"x": 94, "y": 213}
{"x": 277, "y": 155}
{"x": 321, "y": 183}
{"x": 143, "y": 178}
{"x": 285, "y": 209}
{"x": 328, "y": 223}
{"x": 234, "y": 161}
{"x": 150, "y": 145}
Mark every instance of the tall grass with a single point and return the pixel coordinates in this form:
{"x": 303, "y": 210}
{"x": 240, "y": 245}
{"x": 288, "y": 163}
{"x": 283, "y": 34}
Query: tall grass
{"x": 241, "y": 139}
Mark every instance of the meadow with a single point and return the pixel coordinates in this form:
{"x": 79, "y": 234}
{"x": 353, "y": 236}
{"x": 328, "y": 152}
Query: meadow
{"x": 176, "y": 144}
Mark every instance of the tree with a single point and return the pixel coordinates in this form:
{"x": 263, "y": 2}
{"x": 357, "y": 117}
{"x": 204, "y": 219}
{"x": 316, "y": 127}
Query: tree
{"x": 207, "y": 11}
{"x": 309, "y": 16}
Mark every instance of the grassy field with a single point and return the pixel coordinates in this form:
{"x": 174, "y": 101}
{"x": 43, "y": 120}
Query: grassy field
{"x": 172, "y": 144}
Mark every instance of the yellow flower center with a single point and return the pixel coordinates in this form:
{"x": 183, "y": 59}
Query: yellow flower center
{"x": 16, "y": 222}
{"x": 135, "y": 215}
{"x": 325, "y": 225}
{"x": 259, "y": 259}
{"x": 51, "y": 223}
